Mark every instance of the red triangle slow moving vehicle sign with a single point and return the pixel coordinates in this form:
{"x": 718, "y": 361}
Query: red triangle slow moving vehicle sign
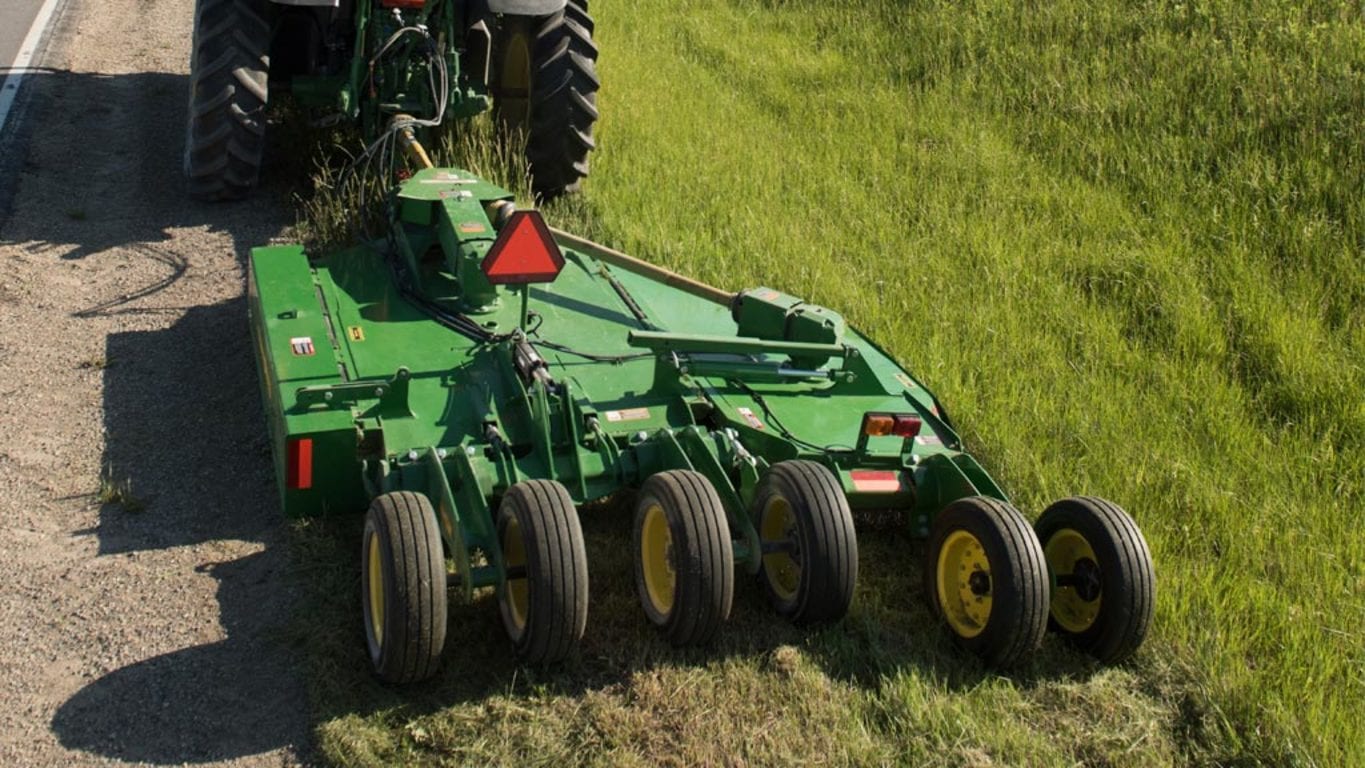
{"x": 525, "y": 252}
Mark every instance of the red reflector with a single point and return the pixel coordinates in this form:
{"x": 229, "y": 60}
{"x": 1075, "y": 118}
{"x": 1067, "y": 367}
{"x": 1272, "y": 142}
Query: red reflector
{"x": 872, "y": 481}
{"x": 906, "y": 425}
{"x": 878, "y": 424}
{"x": 298, "y": 464}
{"x": 525, "y": 252}
{"x": 402, "y": 3}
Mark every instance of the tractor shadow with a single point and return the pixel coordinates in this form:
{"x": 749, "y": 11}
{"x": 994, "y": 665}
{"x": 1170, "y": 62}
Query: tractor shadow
{"x": 204, "y": 703}
{"x": 185, "y": 434}
{"x": 98, "y": 158}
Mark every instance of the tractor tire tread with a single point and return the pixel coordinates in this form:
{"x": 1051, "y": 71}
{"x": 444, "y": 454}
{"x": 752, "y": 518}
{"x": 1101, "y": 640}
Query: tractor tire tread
{"x": 564, "y": 101}
{"x": 229, "y": 91}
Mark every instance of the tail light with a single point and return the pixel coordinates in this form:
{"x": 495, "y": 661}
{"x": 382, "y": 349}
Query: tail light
{"x": 907, "y": 425}
{"x": 897, "y": 424}
{"x": 878, "y": 424}
{"x": 298, "y": 464}
{"x": 402, "y": 3}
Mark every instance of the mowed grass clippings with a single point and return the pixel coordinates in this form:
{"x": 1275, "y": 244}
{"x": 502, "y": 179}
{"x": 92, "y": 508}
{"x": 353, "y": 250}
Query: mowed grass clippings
{"x": 1122, "y": 242}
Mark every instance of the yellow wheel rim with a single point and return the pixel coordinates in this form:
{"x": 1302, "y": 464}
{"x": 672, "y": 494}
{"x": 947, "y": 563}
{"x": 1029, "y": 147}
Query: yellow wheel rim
{"x": 516, "y": 593}
{"x": 1076, "y": 598}
{"x": 376, "y": 591}
{"x": 964, "y": 584}
{"x": 514, "y": 83}
{"x": 778, "y": 524}
{"x": 656, "y": 560}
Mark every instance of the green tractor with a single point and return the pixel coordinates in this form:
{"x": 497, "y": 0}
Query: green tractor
{"x": 533, "y": 62}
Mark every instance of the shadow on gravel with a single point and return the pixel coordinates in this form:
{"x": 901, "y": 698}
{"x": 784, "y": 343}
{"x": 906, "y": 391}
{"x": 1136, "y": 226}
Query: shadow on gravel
{"x": 210, "y": 702}
{"x": 119, "y": 182}
{"x": 185, "y": 433}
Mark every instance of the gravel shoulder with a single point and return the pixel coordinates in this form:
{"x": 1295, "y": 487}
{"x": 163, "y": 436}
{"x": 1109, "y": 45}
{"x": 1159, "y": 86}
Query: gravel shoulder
{"x": 153, "y": 629}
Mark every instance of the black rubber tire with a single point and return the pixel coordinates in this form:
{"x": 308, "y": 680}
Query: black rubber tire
{"x": 702, "y": 556}
{"x": 556, "y": 571}
{"x": 1127, "y": 581}
{"x": 826, "y": 543}
{"x": 562, "y": 97}
{"x": 1017, "y": 579}
{"x": 229, "y": 89}
{"x": 411, "y": 562}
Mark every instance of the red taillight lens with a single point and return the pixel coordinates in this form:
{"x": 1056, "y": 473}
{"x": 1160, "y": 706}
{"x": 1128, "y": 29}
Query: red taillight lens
{"x": 878, "y": 424}
{"x": 906, "y": 425}
{"x": 898, "y": 424}
{"x": 298, "y": 464}
{"x": 402, "y": 3}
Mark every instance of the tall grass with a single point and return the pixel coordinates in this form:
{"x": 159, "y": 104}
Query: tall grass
{"x": 1125, "y": 243}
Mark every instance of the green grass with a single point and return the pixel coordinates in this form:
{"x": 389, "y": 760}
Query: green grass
{"x": 1124, "y": 242}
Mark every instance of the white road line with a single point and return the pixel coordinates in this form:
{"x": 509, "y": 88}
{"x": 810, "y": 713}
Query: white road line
{"x": 27, "y": 50}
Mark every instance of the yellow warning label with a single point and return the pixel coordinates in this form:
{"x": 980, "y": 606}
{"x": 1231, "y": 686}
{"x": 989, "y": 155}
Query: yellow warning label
{"x": 356, "y": 333}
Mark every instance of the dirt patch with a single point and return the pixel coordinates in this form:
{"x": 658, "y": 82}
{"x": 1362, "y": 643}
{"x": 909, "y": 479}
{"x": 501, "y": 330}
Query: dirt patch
{"x": 147, "y": 594}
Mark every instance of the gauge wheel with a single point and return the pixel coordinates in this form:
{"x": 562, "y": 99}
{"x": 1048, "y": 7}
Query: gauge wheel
{"x": 1104, "y": 586}
{"x": 544, "y": 597}
{"x": 810, "y": 550}
{"x": 403, "y": 585}
{"x": 986, "y": 578}
{"x": 684, "y": 559}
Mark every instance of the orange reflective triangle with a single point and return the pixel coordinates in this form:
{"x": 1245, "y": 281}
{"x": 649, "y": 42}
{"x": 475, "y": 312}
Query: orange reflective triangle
{"x": 525, "y": 252}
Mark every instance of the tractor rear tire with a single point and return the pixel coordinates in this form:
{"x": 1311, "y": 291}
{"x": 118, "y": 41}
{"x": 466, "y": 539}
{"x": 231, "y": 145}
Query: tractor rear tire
{"x": 985, "y": 576}
{"x": 403, "y": 587}
{"x": 544, "y": 600}
{"x": 229, "y": 89}
{"x": 544, "y": 83}
{"x": 684, "y": 559}
{"x": 1107, "y": 591}
{"x": 803, "y": 517}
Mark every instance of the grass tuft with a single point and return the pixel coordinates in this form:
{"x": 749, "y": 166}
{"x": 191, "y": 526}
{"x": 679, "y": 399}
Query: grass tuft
{"x": 118, "y": 493}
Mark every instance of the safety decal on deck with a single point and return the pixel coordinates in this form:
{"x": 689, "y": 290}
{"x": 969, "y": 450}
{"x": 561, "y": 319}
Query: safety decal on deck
{"x": 472, "y": 228}
{"x": 630, "y": 414}
{"x": 356, "y": 333}
{"x": 875, "y": 481}
{"x": 302, "y": 345}
{"x": 929, "y": 440}
{"x": 448, "y": 178}
{"x": 905, "y": 381}
{"x": 750, "y": 417}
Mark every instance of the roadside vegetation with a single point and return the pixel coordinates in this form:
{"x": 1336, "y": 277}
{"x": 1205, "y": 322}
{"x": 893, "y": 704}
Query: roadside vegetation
{"x": 1124, "y": 243}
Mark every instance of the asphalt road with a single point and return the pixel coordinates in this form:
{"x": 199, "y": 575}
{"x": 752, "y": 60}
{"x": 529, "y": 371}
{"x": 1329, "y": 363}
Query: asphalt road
{"x": 16, "y": 16}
